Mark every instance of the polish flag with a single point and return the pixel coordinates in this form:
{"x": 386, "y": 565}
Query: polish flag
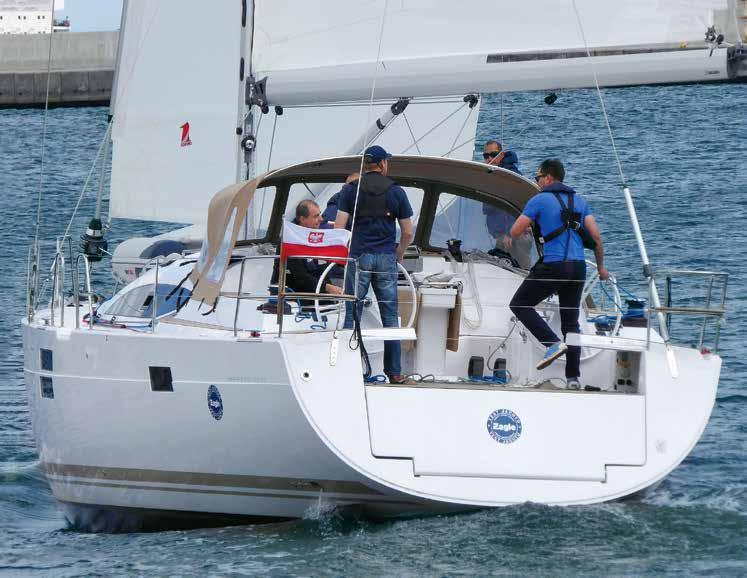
{"x": 326, "y": 244}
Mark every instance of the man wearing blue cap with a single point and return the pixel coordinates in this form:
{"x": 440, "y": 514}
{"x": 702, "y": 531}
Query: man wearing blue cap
{"x": 376, "y": 203}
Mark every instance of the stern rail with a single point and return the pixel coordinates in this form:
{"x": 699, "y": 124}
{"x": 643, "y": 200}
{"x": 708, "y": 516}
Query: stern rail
{"x": 714, "y": 298}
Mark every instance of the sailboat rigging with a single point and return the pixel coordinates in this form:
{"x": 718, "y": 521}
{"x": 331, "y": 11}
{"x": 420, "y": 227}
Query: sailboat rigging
{"x": 198, "y": 394}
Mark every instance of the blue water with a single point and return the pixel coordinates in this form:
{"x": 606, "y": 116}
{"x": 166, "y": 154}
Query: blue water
{"x": 683, "y": 153}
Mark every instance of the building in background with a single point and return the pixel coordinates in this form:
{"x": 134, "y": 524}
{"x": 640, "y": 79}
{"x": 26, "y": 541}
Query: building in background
{"x": 31, "y": 17}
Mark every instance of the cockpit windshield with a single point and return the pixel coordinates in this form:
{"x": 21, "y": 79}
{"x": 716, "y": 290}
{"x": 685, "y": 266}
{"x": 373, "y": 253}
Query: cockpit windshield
{"x": 480, "y": 226}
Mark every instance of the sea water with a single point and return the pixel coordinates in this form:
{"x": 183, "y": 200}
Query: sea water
{"x": 683, "y": 154}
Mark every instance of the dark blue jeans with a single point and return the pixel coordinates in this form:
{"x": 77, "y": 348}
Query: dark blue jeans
{"x": 380, "y": 271}
{"x": 566, "y": 278}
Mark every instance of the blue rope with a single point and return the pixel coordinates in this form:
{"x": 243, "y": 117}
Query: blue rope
{"x": 317, "y": 325}
{"x": 490, "y": 379}
{"x": 624, "y": 290}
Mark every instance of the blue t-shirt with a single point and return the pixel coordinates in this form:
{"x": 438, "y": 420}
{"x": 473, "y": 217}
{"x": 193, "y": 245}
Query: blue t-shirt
{"x": 544, "y": 210}
{"x": 375, "y": 234}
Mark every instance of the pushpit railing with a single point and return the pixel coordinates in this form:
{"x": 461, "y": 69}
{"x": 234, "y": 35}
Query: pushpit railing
{"x": 715, "y": 301}
{"x": 76, "y": 289}
{"x": 282, "y": 296}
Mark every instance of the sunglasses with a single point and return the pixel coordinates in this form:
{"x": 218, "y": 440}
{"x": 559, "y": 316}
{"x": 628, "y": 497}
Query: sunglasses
{"x": 492, "y": 155}
{"x": 538, "y": 177}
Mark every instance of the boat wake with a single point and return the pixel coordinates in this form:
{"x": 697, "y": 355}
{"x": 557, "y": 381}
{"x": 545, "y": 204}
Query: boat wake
{"x": 25, "y": 498}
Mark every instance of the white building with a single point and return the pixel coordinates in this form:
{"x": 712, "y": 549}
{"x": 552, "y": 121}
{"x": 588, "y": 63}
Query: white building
{"x": 29, "y": 16}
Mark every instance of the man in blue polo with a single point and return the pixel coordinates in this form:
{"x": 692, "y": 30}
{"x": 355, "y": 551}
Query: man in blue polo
{"x": 560, "y": 217}
{"x": 376, "y": 204}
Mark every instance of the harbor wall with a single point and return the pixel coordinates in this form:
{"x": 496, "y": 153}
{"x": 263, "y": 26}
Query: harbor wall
{"x": 82, "y": 68}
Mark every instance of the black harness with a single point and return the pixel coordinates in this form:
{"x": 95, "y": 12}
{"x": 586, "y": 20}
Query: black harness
{"x": 571, "y": 222}
{"x": 372, "y": 202}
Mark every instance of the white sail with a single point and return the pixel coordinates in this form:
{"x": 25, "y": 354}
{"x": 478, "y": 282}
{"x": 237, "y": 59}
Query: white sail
{"x": 175, "y": 109}
{"x": 436, "y": 47}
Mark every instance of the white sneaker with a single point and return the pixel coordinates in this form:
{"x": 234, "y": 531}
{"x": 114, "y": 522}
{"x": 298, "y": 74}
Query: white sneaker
{"x": 572, "y": 383}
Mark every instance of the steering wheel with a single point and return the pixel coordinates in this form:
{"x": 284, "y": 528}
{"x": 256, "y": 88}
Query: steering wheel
{"x": 548, "y": 311}
{"x": 592, "y": 282}
{"x": 322, "y": 281}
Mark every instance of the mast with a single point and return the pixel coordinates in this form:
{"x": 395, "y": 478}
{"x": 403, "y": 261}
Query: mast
{"x": 244, "y": 118}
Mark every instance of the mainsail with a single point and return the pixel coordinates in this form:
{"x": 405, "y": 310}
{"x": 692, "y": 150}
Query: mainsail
{"x": 179, "y": 108}
{"x": 433, "y": 47}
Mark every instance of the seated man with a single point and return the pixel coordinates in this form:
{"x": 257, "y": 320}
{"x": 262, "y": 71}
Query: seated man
{"x": 302, "y": 275}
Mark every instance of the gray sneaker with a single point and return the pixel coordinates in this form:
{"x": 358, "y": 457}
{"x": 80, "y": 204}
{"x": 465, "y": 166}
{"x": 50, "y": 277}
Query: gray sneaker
{"x": 572, "y": 383}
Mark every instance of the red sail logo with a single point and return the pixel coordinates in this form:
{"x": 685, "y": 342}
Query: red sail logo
{"x": 186, "y": 141}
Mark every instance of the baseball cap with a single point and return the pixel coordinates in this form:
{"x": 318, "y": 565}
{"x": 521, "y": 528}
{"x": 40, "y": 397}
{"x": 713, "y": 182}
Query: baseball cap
{"x": 376, "y": 154}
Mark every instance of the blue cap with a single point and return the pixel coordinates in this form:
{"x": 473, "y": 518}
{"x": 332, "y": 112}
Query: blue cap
{"x": 376, "y": 154}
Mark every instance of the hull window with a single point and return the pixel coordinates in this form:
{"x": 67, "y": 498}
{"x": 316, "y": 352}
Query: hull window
{"x": 46, "y": 360}
{"x": 47, "y": 388}
{"x": 160, "y": 379}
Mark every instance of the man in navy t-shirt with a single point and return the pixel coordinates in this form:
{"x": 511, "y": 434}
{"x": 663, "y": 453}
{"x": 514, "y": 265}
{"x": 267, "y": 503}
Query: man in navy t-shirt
{"x": 562, "y": 269}
{"x": 376, "y": 204}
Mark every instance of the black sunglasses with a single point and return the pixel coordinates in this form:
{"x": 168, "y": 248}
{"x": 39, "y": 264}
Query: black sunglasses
{"x": 538, "y": 177}
{"x": 492, "y": 155}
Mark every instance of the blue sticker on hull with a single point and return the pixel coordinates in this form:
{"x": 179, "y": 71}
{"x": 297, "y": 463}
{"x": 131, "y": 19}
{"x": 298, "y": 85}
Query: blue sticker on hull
{"x": 215, "y": 402}
{"x": 504, "y": 426}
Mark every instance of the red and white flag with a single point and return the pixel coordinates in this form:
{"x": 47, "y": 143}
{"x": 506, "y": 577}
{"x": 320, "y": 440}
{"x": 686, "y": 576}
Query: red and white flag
{"x": 326, "y": 244}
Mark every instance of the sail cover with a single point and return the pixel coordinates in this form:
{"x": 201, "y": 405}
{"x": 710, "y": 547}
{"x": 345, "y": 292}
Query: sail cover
{"x": 175, "y": 109}
{"x": 437, "y": 47}
{"x": 228, "y": 209}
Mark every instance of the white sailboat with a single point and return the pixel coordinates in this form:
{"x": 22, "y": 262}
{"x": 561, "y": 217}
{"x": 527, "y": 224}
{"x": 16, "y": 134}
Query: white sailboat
{"x": 152, "y": 407}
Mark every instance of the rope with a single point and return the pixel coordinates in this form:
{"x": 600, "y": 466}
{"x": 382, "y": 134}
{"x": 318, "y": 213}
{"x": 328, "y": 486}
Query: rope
{"x": 269, "y": 160}
{"x": 44, "y": 135}
{"x": 365, "y": 146}
{"x": 88, "y": 178}
{"x": 599, "y": 93}
{"x": 412, "y": 134}
{"x": 435, "y": 127}
{"x": 505, "y": 340}
{"x": 469, "y": 140}
{"x": 466, "y": 120}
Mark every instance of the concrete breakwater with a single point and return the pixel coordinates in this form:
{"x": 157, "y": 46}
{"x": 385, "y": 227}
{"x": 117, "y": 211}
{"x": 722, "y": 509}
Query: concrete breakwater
{"x": 82, "y": 68}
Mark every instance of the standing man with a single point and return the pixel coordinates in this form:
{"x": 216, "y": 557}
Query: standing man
{"x": 560, "y": 218}
{"x": 381, "y": 204}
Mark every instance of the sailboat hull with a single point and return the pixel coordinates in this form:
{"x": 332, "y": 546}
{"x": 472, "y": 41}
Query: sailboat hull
{"x": 272, "y": 429}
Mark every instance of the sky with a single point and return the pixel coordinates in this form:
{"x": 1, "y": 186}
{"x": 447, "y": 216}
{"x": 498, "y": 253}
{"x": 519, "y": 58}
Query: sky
{"x": 90, "y": 15}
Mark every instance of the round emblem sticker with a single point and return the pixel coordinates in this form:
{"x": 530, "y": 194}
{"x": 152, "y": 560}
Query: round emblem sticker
{"x": 215, "y": 403}
{"x": 504, "y": 426}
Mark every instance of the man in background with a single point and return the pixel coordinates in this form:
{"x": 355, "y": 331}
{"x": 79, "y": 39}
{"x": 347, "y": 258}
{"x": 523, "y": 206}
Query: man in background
{"x": 499, "y": 221}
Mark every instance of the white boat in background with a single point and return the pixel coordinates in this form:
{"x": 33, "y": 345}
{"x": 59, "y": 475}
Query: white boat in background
{"x": 157, "y": 407}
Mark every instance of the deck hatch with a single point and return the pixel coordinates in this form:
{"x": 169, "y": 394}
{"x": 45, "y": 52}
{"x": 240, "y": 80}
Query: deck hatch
{"x": 46, "y": 359}
{"x": 47, "y": 387}
{"x": 160, "y": 379}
